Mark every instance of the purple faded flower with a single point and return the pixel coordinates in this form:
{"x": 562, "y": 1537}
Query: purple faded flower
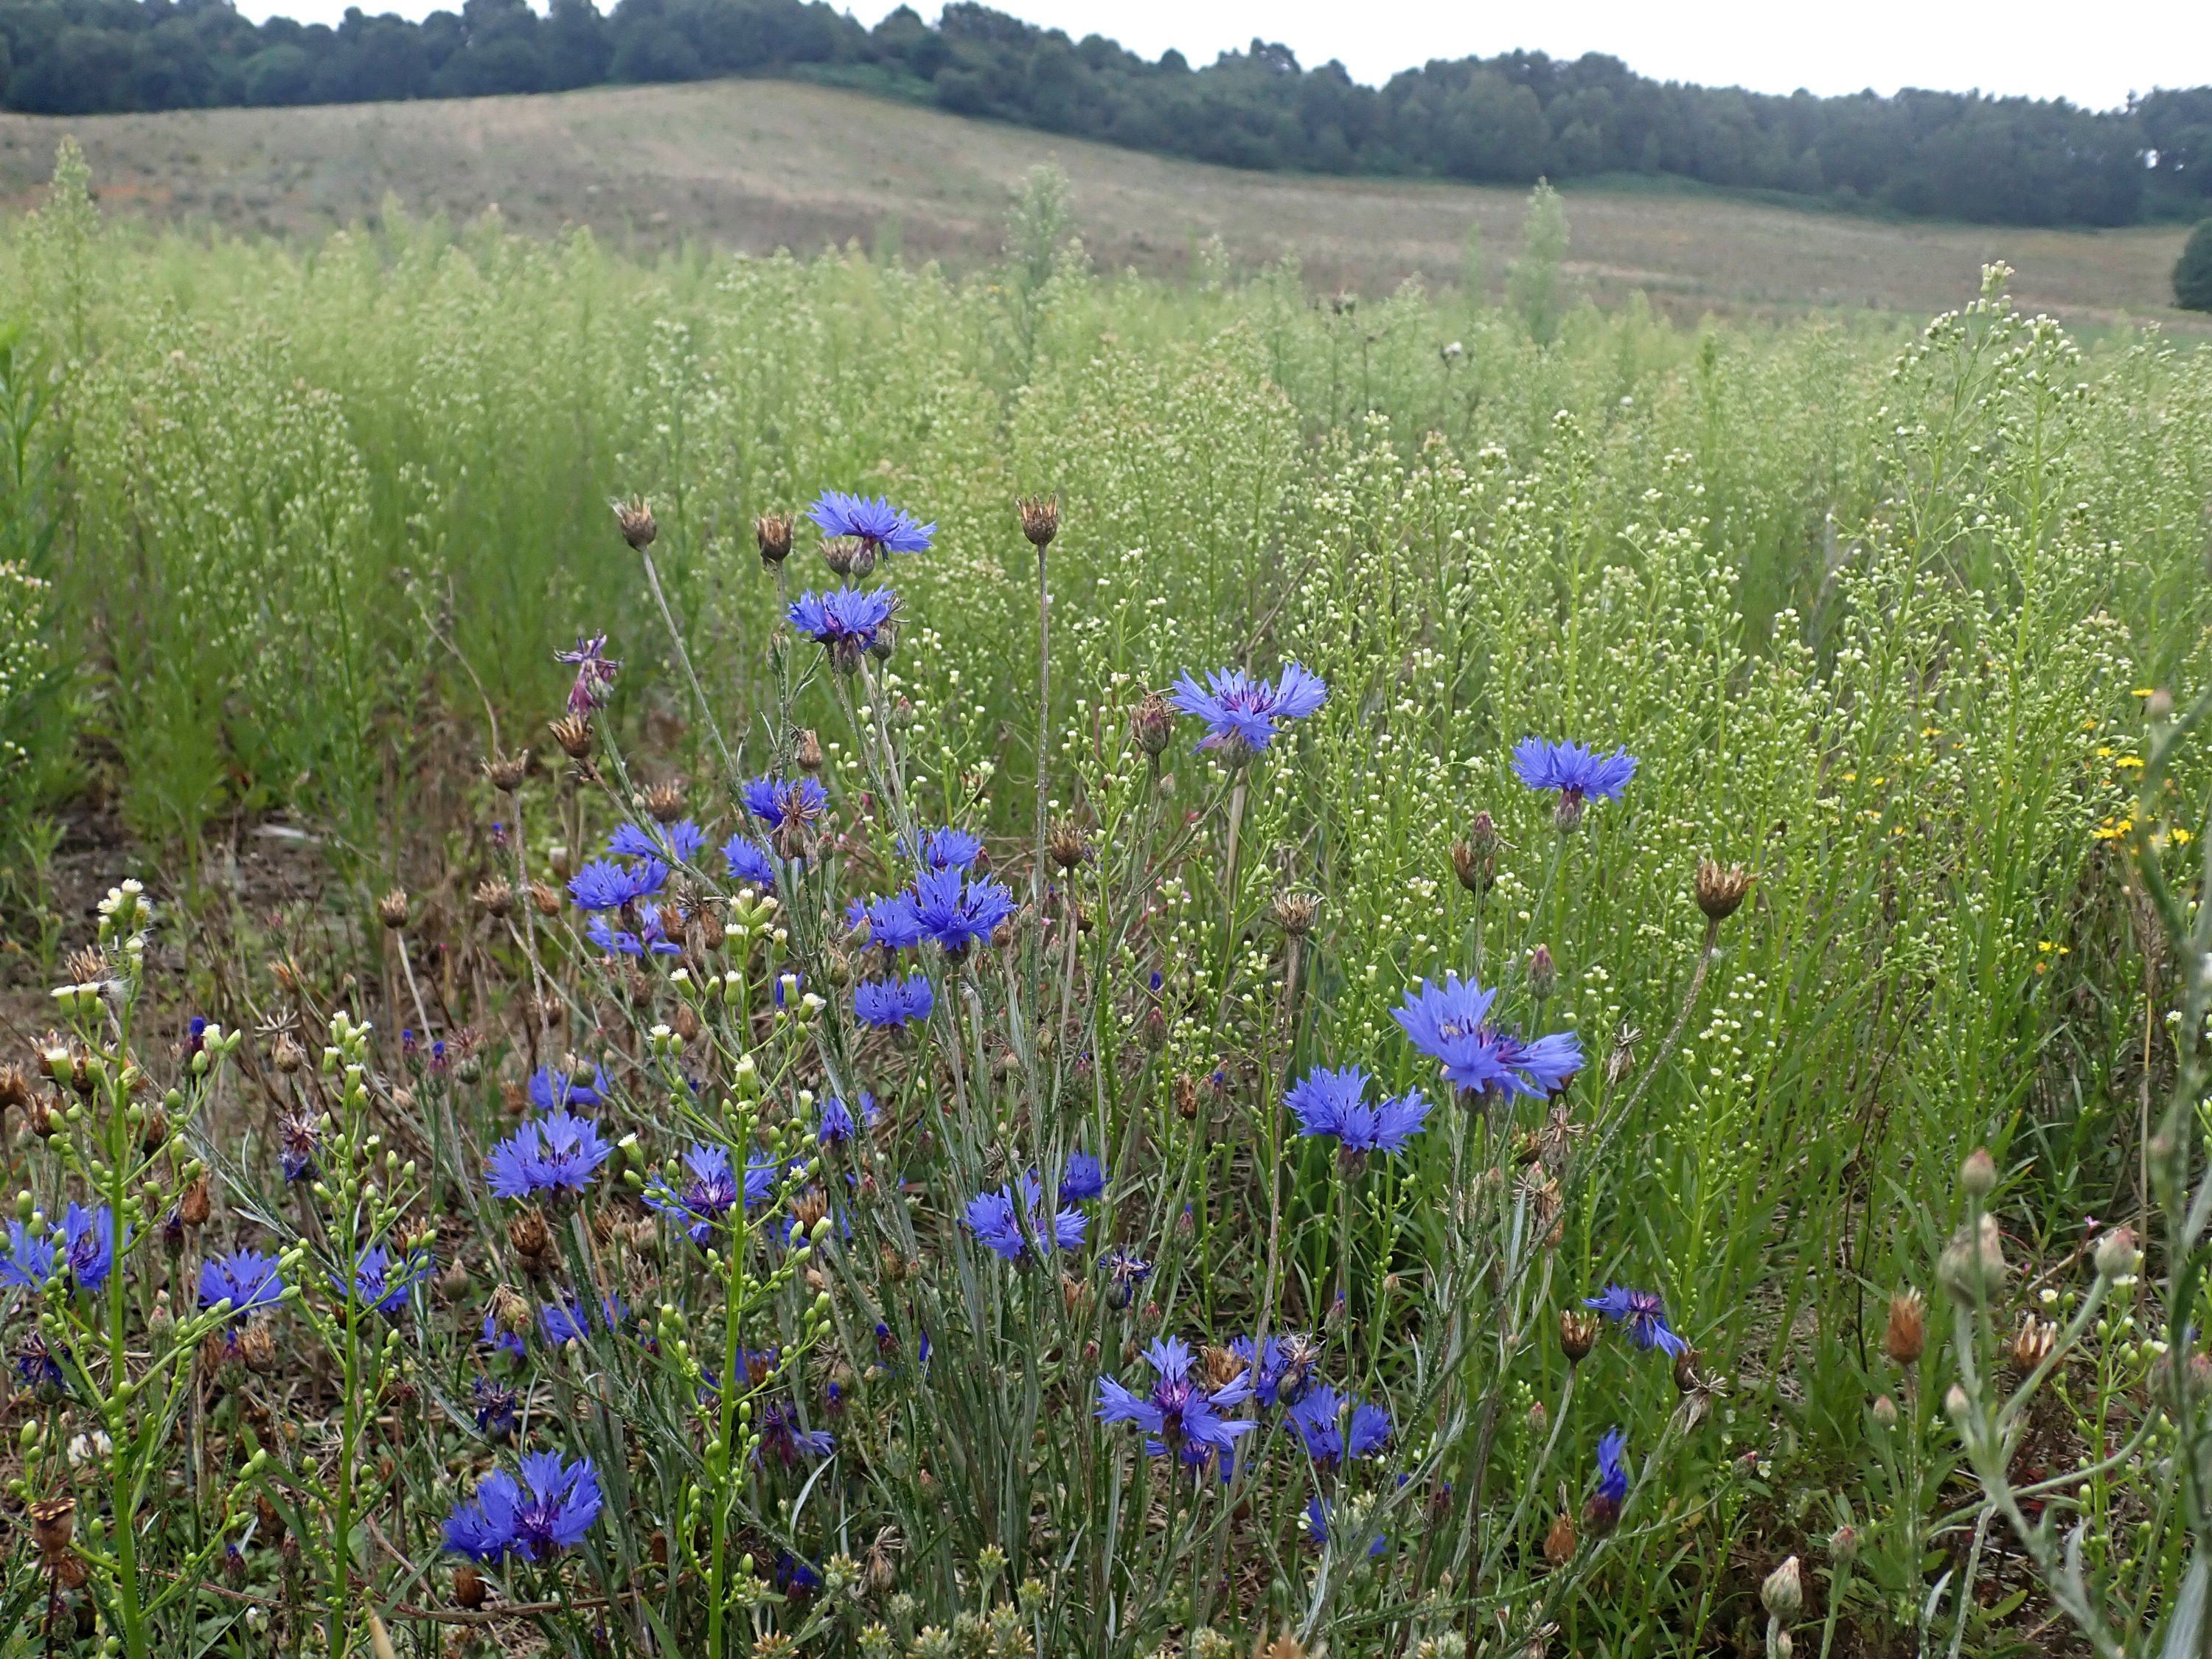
{"x": 786, "y": 1439}
{"x": 1645, "y": 1315}
{"x": 595, "y": 673}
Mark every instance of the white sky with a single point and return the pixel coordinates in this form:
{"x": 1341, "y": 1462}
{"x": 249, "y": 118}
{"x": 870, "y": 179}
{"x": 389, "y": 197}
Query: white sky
{"x": 2094, "y": 54}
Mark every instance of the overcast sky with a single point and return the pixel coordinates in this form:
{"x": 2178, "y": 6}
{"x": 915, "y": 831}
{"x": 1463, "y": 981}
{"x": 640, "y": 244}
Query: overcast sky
{"x": 2095, "y": 54}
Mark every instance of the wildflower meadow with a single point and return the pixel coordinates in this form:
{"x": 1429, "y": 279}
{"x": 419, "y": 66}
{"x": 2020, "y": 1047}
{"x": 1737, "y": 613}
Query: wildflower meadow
{"x": 744, "y": 957}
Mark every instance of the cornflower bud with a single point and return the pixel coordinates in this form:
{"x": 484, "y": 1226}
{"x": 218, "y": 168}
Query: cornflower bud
{"x": 1152, "y": 1029}
{"x": 2117, "y": 1254}
{"x": 1719, "y": 890}
{"x": 1151, "y": 723}
{"x": 1040, "y": 519}
{"x": 507, "y": 771}
{"x": 1843, "y": 1546}
{"x": 806, "y": 753}
{"x": 1885, "y": 1412}
{"x": 772, "y": 530}
{"x": 842, "y": 554}
{"x": 634, "y": 519}
{"x": 468, "y": 1587}
{"x": 574, "y": 733}
{"x": 289, "y": 1055}
{"x": 1905, "y": 1338}
{"x": 510, "y": 1312}
{"x": 1978, "y": 1174}
{"x": 1783, "y": 1594}
{"x": 1578, "y": 1330}
{"x": 1543, "y": 974}
{"x": 391, "y": 908}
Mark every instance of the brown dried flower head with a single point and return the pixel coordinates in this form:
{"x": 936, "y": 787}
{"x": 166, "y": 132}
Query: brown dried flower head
{"x": 772, "y": 530}
{"x": 54, "y": 1524}
{"x": 1579, "y": 1328}
{"x": 544, "y": 899}
{"x": 2030, "y": 1343}
{"x": 1294, "y": 913}
{"x": 494, "y": 897}
{"x": 256, "y": 1347}
{"x": 1905, "y": 1338}
{"x": 1559, "y": 1542}
{"x": 468, "y": 1587}
{"x": 194, "y": 1208}
{"x": 663, "y": 801}
{"x": 507, "y": 772}
{"x": 1040, "y": 519}
{"x": 634, "y": 519}
{"x": 1067, "y": 845}
{"x": 391, "y": 908}
{"x": 806, "y": 753}
{"x": 574, "y": 733}
{"x": 1719, "y": 890}
{"x": 14, "y": 1089}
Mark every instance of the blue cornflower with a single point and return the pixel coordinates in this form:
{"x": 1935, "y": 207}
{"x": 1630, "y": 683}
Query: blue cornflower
{"x": 748, "y": 862}
{"x": 552, "y": 1154}
{"x": 1643, "y": 1313}
{"x": 1241, "y": 714}
{"x": 1602, "y": 1513}
{"x": 793, "y": 1578}
{"x": 957, "y": 913}
{"x": 637, "y": 841}
{"x": 1177, "y": 1409}
{"x": 382, "y": 1283}
{"x": 1331, "y": 1102}
{"x": 1083, "y": 1180}
{"x": 1369, "y": 1432}
{"x": 1316, "y": 1527}
{"x": 893, "y": 1002}
{"x": 1315, "y": 1418}
{"x": 41, "y": 1365}
{"x": 945, "y": 849}
{"x": 783, "y": 1435}
{"x": 650, "y": 938}
{"x": 1284, "y": 1370}
{"x": 785, "y": 803}
{"x": 850, "y": 616}
{"x": 872, "y": 519}
{"x": 504, "y": 1342}
{"x": 1451, "y": 1022}
{"x": 29, "y": 1261}
{"x": 1578, "y": 773}
{"x": 300, "y": 1142}
{"x": 565, "y": 1321}
{"x": 90, "y": 1247}
{"x": 246, "y": 1280}
{"x": 549, "y": 1510}
{"x": 496, "y": 1410}
{"x": 600, "y": 885}
{"x": 992, "y": 1218}
{"x": 893, "y": 922}
{"x": 711, "y": 1193}
{"x": 838, "y": 1124}
{"x": 1124, "y": 1273}
{"x": 551, "y": 1089}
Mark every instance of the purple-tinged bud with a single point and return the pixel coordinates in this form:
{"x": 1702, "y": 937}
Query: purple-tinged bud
{"x": 1543, "y": 974}
{"x": 1783, "y": 1594}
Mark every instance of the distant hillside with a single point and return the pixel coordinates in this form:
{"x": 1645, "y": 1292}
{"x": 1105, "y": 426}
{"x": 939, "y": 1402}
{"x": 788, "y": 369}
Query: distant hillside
{"x": 756, "y": 165}
{"x": 1507, "y": 119}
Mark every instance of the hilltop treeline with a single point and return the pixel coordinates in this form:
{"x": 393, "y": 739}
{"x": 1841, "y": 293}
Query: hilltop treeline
{"x": 1505, "y": 119}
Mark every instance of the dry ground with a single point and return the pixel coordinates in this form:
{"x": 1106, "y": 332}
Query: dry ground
{"x": 757, "y": 165}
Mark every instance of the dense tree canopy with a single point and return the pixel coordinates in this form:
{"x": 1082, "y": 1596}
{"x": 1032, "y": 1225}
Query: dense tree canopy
{"x": 1507, "y": 119}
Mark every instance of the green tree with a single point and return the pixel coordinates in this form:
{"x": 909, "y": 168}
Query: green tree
{"x": 1533, "y": 287}
{"x": 2192, "y": 271}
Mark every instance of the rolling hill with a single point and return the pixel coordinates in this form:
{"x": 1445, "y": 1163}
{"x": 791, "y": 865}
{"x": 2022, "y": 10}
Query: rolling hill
{"x": 756, "y": 165}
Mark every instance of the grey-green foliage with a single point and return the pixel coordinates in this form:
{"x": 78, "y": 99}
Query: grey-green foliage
{"x": 1532, "y": 289}
{"x": 2192, "y": 271}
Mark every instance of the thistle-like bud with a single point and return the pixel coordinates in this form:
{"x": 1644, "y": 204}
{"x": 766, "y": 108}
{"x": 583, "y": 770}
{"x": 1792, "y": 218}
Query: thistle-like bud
{"x": 256, "y": 1347}
{"x": 806, "y": 753}
{"x": 1972, "y": 1266}
{"x": 494, "y": 897}
{"x": 1040, "y": 519}
{"x": 507, "y": 772}
{"x": 468, "y": 1587}
{"x": 1543, "y": 974}
{"x": 193, "y": 1207}
{"x": 1579, "y": 1328}
{"x": 1783, "y": 1594}
{"x": 1843, "y": 1546}
{"x": 1719, "y": 890}
{"x": 773, "y": 531}
{"x": 1906, "y": 1337}
{"x": 574, "y": 733}
{"x": 1152, "y": 1029}
{"x": 1151, "y": 723}
{"x": 1559, "y": 1542}
{"x": 2031, "y": 1344}
{"x": 1978, "y": 1174}
{"x": 532, "y": 1241}
{"x": 840, "y": 553}
{"x": 1885, "y": 1412}
{"x": 510, "y": 1311}
{"x": 1567, "y": 815}
{"x": 1067, "y": 845}
{"x": 663, "y": 801}
{"x": 544, "y": 899}
{"x": 2117, "y": 1254}
{"x": 886, "y": 642}
{"x": 53, "y": 1525}
{"x": 391, "y": 908}
{"x": 634, "y": 519}
{"x": 1294, "y": 913}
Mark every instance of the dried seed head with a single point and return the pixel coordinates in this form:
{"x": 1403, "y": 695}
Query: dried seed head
{"x": 2031, "y": 1344}
{"x": 773, "y": 531}
{"x": 1688, "y": 1381}
{"x": 494, "y": 897}
{"x": 1285, "y": 1646}
{"x": 1067, "y": 845}
{"x": 391, "y": 908}
{"x": 532, "y": 1241}
{"x": 574, "y": 733}
{"x": 1783, "y": 1594}
{"x": 1151, "y": 723}
{"x": 634, "y": 519}
{"x": 544, "y": 899}
{"x": 510, "y": 1310}
{"x": 806, "y": 753}
{"x": 1476, "y": 870}
{"x": 809, "y": 1207}
{"x": 1294, "y": 913}
{"x": 14, "y": 1089}
{"x": 155, "y": 1132}
{"x": 193, "y": 1207}
{"x": 1040, "y": 519}
{"x": 1559, "y": 1542}
{"x": 842, "y": 554}
{"x": 1222, "y": 1367}
{"x": 468, "y": 1587}
{"x": 1579, "y": 1328}
{"x": 1720, "y": 891}
{"x": 507, "y": 772}
{"x": 256, "y": 1347}
{"x": 1905, "y": 1338}
{"x": 665, "y": 801}
{"x": 54, "y": 1524}
{"x": 1186, "y": 1096}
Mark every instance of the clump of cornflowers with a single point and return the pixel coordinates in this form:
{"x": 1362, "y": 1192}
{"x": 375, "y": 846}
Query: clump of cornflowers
{"x": 1178, "y": 1413}
{"x": 602, "y": 885}
{"x": 246, "y": 1280}
{"x": 958, "y": 912}
{"x": 997, "y": 1224}
{"x": 1602, "y": 1513}
{"x": 1578, "y": 775}
{"x": 1450, "y": 1024}
{"x": 553, "y": 1154}
{"x": 893, "y": 1004}
{"x": 1334, "y": 1105}
{"x": 1327, "y": 1441}
{"x": 1644, "y": 1316}
{"x": 595, "y": 673}
{"x": 871, "y": 521}
{"x": 846, "y": 621}
{"x": 1242, "y": 714}
{"x": 549, "y": 1510}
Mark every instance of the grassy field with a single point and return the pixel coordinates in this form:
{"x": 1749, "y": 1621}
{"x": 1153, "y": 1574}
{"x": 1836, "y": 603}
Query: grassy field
{"x": 758, "y": 165}
{"x": 668, "y": 1074}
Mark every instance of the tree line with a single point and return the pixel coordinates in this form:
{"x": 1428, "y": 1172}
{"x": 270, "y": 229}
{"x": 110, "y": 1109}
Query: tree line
{"x": 1508, "y": 119}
